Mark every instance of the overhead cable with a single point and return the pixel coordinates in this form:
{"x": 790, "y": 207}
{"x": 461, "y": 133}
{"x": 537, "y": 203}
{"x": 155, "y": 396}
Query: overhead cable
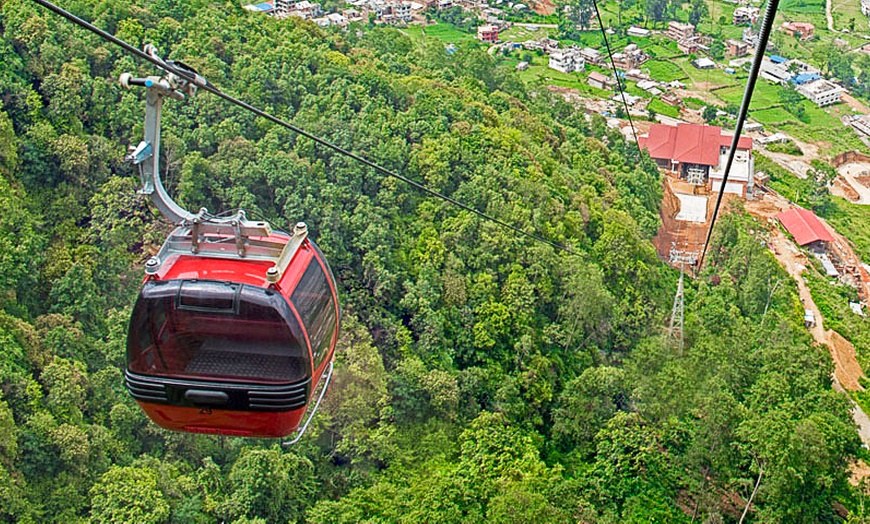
{"x": 203, "y": 84}
{"x": 761, "y": 46}
{"x": 616, "y": 74}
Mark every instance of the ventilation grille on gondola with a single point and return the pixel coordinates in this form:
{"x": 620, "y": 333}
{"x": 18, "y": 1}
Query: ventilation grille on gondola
{"x": 239, "y": 397}
{"x": 279, "y": 399}
{"x": 146, "y": 390}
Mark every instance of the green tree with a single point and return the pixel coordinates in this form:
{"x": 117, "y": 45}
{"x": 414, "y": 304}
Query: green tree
{"x": 128, "y": 494}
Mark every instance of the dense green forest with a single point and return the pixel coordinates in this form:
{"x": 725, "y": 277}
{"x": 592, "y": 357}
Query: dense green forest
{"x": 481, "y": 376}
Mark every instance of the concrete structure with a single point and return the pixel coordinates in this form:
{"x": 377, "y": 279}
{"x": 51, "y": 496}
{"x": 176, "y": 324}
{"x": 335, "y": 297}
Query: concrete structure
{"x": 865, "y": 7}
{"x": 736, "y": 48}
{"x": 745, "y": 15}
{"x": 698, "y": 153}
{"x": 860, "y": 123}
{"x": 776, "y": 138}
{"x": 487, "y": 33}
{"x": 638, "y": 32}
{"x": 692, "y": 208}
{"x": 352, "y": 15}
{"x": 547, "y": 45}
{"x": 821, "y": 92}
{"x": 337, "y": 19}
{"x": 802, "y": 30}
{"x": 703, "y": 63}
{"x": 671, "y": 99}
{"x": 775, "y": 72}
{"x": 591, "y": 56}
{"x": 567, "y": 60}
{"x": 680, "y": 31}
{"x": 631, "y": 57}
{"x": 647, "y": 85}
{"x": 303, "y": 9}
{"x": 804, "y": 78}
{"x": 689, "y": 45}
{"x": 599, "y": 81}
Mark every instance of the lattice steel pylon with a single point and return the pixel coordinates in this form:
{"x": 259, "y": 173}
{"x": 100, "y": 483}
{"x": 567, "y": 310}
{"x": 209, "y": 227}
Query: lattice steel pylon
{"x": 675, "y": 329}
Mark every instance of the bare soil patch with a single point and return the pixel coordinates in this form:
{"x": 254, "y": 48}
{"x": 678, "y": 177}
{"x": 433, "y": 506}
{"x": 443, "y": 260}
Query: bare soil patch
{"x": 846, "y": 367}
{"x": 842, "y": 188}
{"x": 860, "y": 471}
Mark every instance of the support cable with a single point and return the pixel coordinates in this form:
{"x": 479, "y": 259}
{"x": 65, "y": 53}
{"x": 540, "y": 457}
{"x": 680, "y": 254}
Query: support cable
{"x": 615, "y": 74}
{"x": 761, "y": 46}
{"x": 201, "y": 83}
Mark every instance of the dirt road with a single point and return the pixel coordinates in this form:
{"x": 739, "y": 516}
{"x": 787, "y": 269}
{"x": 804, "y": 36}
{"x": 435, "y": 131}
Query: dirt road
{"x": 847, "y": 371}
{"x": 849, "y": 172}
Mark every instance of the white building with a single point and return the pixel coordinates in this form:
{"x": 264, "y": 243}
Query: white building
{"x": 593, "y": 56}
{"x": 821, "y": 92}
{"x": 303, "y": 9}
{"x": 741, "y": 178}
{"x": 860, "y": 123}
{"x": 567, "y": 60}
{"x": 638, "y": 31}
{"x": 337, "y": 19}
{"x": 745, "y": 15}
{"x": 865, "y": 7}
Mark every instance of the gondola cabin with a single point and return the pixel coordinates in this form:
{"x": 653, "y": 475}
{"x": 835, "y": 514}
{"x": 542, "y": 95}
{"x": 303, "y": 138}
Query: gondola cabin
{"x": 232, "y": 333}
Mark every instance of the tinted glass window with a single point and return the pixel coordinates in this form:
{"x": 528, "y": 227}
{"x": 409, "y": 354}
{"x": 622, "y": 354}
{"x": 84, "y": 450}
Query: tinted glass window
{"x": 205, "y": 295}
{"x": 313, "y": 300}
{"x": 217, "y": 331}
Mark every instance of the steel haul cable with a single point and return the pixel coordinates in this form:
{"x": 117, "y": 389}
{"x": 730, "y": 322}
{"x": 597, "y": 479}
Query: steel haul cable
{"x": 203, "y": 84}
{"x": 763, "y": 35}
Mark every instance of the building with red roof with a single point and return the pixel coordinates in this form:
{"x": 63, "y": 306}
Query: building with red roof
{"x": 804, "y": 226}
{"x": 698, "y": 153}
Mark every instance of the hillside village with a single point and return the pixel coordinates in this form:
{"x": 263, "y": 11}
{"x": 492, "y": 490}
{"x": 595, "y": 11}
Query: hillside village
{"x": 682, "y": 83}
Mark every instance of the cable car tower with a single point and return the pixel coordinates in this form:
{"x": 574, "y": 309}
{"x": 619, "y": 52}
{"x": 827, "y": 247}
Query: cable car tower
{"x": 675, "y": 329}
{"x": 236, "y": 324}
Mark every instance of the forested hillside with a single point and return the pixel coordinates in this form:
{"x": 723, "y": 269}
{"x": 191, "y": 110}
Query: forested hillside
{"x": 481, "y": 376}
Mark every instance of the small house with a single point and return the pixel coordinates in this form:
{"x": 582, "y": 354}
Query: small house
{"x": 487, "y": 33}
{"x": 801, "y": 30}
{"x": 599, "y": 81}
{"x": 736, "y": 48}
{"x": 638, "y": 32}
{"x": 680, "y": 31}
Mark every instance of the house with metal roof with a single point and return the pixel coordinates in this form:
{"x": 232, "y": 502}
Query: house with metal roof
{"x": 699, "y": 153}
{"x": 805, "y": 227}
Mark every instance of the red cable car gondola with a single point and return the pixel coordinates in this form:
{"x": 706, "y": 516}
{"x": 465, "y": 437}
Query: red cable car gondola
{"x": 236, "y": 325}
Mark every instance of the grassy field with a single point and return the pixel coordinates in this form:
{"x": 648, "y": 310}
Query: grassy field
{"x": 447, "y": 33}
{"x": 764, "y": 95}
{"x": 772, "y": 117}
{"x": 542, "y": 73}
{"x": 694, "y": 103}
{"x": 661, "y": 108}
{"x": 802, "y": 6}
{"x": 521, "y": 34}
{"x": 852, "y": 221}
{"x": 664, "y": 71}
{"x": 710, "y": 78}
{"x": 847, "y": 11}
